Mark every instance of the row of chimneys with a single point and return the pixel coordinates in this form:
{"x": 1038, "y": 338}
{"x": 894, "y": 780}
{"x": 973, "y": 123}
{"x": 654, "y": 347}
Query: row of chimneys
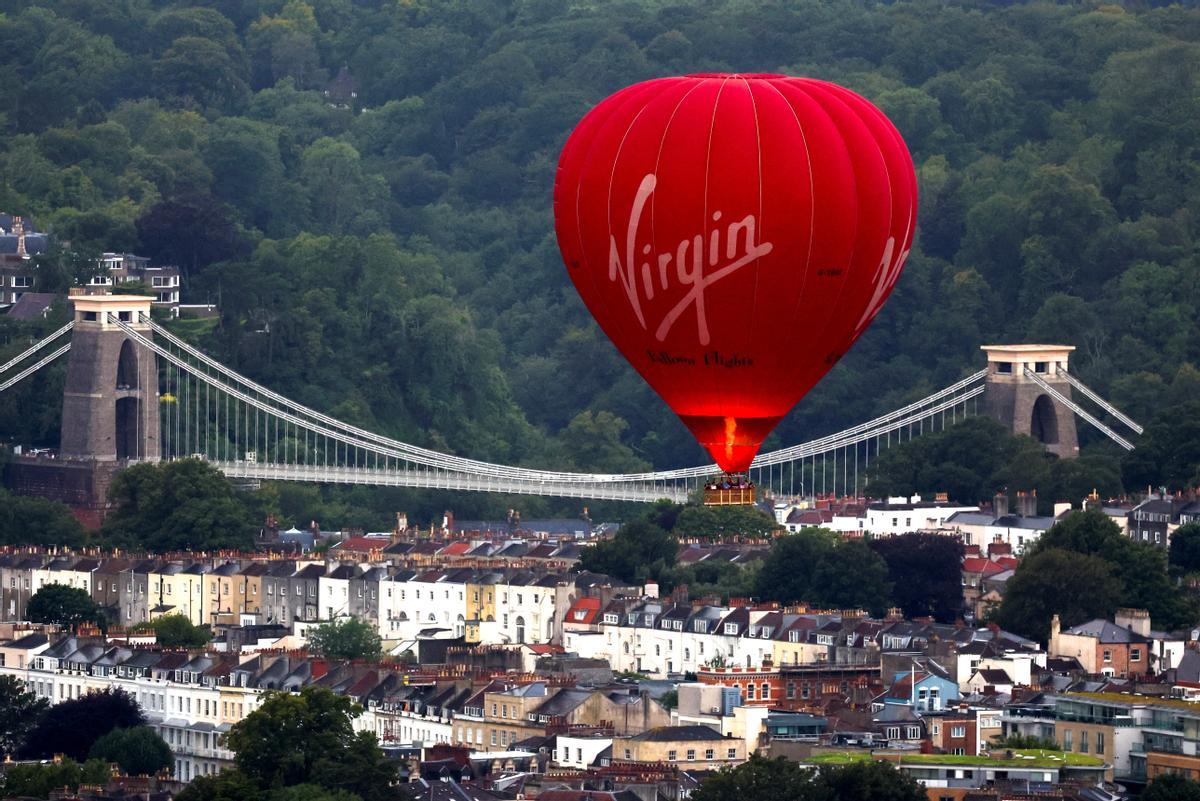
{"x": 1026, "y": 504}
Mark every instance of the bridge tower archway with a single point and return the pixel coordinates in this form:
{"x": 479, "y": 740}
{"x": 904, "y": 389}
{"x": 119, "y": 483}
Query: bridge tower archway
{"x": 1018, "y": 402}
{"x": 110, "y": 401}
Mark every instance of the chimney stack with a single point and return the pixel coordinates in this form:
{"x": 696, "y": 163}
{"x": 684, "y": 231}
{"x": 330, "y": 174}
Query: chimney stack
{"x": 1000, "y": 504}
{"x": 1136, "y": 620}
{"x": 19, "y": 230}
{"x": 1027, "y": 504}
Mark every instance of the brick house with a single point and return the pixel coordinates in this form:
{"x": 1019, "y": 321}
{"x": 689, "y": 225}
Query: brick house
{"x": 1124, "y": 647}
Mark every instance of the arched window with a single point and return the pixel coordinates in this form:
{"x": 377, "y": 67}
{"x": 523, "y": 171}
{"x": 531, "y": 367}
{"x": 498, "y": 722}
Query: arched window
{"x": 766, "y": 691}
{"x": 749, "y": 692}
{"x": 520, "y": 628}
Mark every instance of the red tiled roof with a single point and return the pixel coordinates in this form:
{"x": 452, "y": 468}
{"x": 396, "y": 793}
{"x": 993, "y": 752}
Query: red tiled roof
{"x": 456, "y": 548}
{"x": 363, "y": 544}
{"x": 985, "y": 567}
{"x": 583, "y": 611}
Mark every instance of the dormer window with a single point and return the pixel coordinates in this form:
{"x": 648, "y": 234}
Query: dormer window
{"x": 731, "y": 628}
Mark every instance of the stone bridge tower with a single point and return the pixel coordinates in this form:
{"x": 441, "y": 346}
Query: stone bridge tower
{"x": 110, "y": 402}
{"x": 1017, "y": 401}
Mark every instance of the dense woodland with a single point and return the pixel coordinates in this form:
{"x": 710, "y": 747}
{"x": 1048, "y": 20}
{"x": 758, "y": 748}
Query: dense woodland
{"x": 393, "y": 262}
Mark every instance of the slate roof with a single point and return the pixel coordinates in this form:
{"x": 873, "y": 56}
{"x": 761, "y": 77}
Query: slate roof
{"x": 32, "y": 305}
{"x": 673, "y": 734}
{"x": 970, "y": 519}
{"x": 32, "y": 640}
{"x": 1189, "y": 668}
{"x": 1029, "y": 523}
{"x": 563, "y": 703}
{"x": 1107, "y": 632}
{"x": 994, "y": 676}
{"x": 34, "y": 243}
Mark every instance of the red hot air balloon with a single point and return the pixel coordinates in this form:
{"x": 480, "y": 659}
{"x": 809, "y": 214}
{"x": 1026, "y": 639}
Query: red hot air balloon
{"x": 734, "y": 235}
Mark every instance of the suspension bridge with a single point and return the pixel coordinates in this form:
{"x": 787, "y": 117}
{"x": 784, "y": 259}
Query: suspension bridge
{"x": 137, "y": 392}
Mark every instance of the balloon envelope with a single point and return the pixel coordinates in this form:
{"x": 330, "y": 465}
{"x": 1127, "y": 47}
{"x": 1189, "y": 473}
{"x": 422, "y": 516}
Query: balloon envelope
{"x": 733, "y": 235}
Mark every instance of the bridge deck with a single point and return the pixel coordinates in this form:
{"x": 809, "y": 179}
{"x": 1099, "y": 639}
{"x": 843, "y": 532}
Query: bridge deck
{"x": 437, "y": 479}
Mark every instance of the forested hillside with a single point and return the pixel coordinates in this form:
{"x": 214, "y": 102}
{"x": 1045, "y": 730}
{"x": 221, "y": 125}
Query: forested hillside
{"x": 393, "y": 262}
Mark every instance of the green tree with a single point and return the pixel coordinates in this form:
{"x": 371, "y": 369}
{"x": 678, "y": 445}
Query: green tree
{"x": 345, "y": 638}
{"x": 1140, "y": 567}
{"x": 20, "y": 711}
{"x": 717, "y": 522}
{"x": 1171, "y": 787}
{"x": 359, "y": 770}
{"x": 592, "y": 441}
{"x": 308, "y": 737}
{"x": 759, "y": 778}
{"x": 818, "y": 567}
{"x": 333, "y": 173}
{"x": 192, "y": 229}
{"x": 781, "y": 779}
{"x": 138, "y": 750}
{"x": 37, "y": 521}
{"x": 878, "y": 781}
{"x": 200, "y": 70}
{"x": 970, "y": 461}
{"x": 40, "y": 780}
{"x": 176, "y": 631}
{"x": 1038, "y": 592}
{"x": 638, "y": 551}
{"x": 1184, "y": 554}
{"x": 73, "y": 726}
{"x": 315, "y": 792}
{"x": 230, "y": 784}
{"x": 925, "y": 571}
{"x": 64, "y": 606}
{"x": 1168, "y": 454}
{"x": 180, "y": 505}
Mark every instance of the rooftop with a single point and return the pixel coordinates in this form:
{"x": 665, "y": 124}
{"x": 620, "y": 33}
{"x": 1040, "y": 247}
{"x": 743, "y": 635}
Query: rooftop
{"x": 1021, "y": 759}
{"x": 1145, "y": 700}
{"x": 673, "y": 734}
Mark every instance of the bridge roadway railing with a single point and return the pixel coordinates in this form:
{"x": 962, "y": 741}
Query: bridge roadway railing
{"x": 639, "y": 491}
{"x": 442, "y": 479}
